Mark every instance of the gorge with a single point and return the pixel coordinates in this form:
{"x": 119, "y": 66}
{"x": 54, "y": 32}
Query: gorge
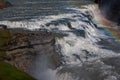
{"x": 61, "y": 40}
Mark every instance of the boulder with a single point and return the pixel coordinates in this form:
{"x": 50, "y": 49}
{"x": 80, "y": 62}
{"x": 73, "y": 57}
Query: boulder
{"x": 3, "y": 26}
{"x": 4, "y": 4}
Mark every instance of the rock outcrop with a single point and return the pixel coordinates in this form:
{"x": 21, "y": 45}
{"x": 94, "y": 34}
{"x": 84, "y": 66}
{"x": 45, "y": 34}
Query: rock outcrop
{"x": 26, "y": 45}
{"x": 4, "y": 4}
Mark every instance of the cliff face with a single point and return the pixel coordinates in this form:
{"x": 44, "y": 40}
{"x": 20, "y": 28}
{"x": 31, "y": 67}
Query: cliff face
{"x": 4, "y": 4}
{"x": 24, "y": 46}
{"x": 111, "y": 9}
{"x": 8, "y": 71}
{"x": 21, "y": 47}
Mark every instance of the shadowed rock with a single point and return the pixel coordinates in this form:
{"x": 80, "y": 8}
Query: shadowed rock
{"x": 3, "y": 26}
{"x": 110, "y": 9}
{"x": 4, "y": 4}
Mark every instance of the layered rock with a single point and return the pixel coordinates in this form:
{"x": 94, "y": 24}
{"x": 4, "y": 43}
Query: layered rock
{"x": 25, "y": 46}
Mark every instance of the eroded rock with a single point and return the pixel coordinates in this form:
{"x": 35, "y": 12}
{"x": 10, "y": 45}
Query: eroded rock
{"x": 25, "y": 46}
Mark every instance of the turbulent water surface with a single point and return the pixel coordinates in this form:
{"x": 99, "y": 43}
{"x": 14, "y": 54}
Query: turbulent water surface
{"x": 88, "y": 51}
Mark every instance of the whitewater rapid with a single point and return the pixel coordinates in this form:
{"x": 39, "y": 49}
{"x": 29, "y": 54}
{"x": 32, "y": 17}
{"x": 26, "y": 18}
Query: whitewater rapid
{"x": 80, "y": 41}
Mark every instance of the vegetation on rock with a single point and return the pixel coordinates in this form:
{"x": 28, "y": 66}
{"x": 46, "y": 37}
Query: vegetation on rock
{"x": 4, "y": 38}
{"x": 7, "y": 71}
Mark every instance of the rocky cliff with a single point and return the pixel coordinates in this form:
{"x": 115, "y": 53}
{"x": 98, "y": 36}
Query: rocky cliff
{"x": 110, "y": 9}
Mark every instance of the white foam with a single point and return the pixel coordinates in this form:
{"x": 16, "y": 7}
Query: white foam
{"x": 71, "y": 44}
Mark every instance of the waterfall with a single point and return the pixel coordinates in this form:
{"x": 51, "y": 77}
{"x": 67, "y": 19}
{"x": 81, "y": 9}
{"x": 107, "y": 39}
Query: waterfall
{"x": 41, "y": 71}
{"x": 82, "y": 43}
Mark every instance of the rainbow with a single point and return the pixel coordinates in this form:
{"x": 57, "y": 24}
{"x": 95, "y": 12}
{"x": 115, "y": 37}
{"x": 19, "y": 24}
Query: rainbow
{"x": 108, "y": 30}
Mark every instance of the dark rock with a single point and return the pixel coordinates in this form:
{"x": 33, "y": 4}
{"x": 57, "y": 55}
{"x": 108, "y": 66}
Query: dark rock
{"x": 1, "y": 58}
{"x": 96, "y": 1}
{"x": 24, "y": 47}
{"x": 4, "y": 4}
{"x": 3, "y": 26}
{"x": 110, "y": 9}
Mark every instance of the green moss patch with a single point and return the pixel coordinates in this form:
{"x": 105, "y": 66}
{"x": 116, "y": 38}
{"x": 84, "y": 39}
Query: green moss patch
{"x": 4, "y": 38}
{"x": 8, "y": 72}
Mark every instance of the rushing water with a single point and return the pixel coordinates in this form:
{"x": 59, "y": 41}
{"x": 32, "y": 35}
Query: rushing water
{"x": 30, "y": 9}
{"x": 88, "y": 51}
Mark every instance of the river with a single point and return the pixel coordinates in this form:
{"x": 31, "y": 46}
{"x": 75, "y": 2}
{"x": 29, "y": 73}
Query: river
{"x": 88, "y": 51}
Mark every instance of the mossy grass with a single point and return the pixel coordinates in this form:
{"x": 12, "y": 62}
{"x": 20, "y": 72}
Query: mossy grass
{"x": 9, "y": 72}
{"x": 4, "y": 38}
